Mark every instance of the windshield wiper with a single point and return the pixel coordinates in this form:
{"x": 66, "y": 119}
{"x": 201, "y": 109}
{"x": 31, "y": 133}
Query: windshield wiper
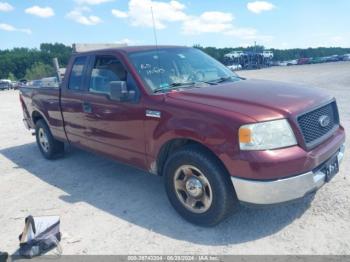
{"x": 182, "y": 84}
{"x": 219, "y": 80}
{"x": 224, "y": 79}
{"x": 174, "y": 86}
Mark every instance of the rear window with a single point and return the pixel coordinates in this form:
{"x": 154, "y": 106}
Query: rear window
{"x": 76, "y": 76}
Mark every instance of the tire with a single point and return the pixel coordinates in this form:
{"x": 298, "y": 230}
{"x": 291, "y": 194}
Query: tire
{"x": 48, "y": 145}
{"x": 210, "y": 201}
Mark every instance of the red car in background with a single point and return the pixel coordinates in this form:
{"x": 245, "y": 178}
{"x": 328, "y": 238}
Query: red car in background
{"x": 303, "y": 61}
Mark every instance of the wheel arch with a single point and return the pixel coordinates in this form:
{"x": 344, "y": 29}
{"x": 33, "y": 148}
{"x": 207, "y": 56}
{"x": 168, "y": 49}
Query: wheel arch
{"x": 36, "y": 116}
{"x": 176, "y": 144}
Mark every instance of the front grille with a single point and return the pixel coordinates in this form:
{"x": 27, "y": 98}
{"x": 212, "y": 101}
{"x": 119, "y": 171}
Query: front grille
{"x": 311, "y": 127}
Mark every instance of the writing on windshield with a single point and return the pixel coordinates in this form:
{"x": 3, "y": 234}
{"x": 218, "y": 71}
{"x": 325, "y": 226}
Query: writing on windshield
{"x": 166, "y": 68}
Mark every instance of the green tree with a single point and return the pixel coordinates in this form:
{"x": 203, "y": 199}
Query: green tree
{"x": 12, "y": 77}
{"x": 18, "y": 60}
{"x": 39, "y": 70}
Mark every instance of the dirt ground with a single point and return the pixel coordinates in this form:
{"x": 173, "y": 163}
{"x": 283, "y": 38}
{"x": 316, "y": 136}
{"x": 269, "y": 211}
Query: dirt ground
{"x": 110, "y": 208}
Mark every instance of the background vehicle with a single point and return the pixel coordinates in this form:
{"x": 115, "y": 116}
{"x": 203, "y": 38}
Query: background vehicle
{"x": 5, "y": 84}
{"x": 281, "y": 63}
{"x": 35, "y": 83}
{"x": 49, "y": 82}
{"x": 333, "y": 58}
{"x": 292, "y": 62}
{"x": 345, "y": 57}
{"x": 316, "y": 60}
{"x": 16, "y": 85}
{"x": 173, "y": 111}
{"x": 234, "y": 67}
{"x": 303, "y": 61}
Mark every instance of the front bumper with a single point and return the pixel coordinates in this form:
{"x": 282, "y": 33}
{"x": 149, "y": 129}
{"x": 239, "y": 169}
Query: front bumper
{"x": 282, "y": 190}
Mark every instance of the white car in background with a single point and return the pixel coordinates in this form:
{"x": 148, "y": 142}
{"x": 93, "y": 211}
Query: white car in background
{"x": 346, "y": 57}
{"x": 5, "y": 84}
{"x": 292, "y": 62}
{"x": 234, "y": 54}
{"x": 234, "y": 67}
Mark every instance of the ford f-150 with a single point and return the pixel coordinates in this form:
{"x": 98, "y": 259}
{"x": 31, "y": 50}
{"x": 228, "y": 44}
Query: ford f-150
{"x": 218, "y": 139}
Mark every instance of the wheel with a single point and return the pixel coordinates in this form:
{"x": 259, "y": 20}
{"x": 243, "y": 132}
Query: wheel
{"x": 48, "y": 145}
{"x": 199, "y": 187}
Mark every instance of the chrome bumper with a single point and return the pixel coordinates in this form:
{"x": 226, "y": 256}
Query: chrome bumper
{"x": 283, "y": 190}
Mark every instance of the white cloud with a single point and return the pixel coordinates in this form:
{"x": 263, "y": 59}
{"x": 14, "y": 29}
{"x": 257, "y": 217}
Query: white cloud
{"x": 92, "y": 2}
{"x": 119, "y": 14}
{"x": 260, "y": 6}
{"x": 243, "y": 33}
{"x": 140, "y": 13}
{"x": 126, "y": 41}
{"x": 327, "y": 40}
{"x": 5, "y": 7}
{"x": 43, "y": 12}
{"x": 208, "y": 22}
{"x": 338, "y": 40}
{"x": 78, "y": 15}
{"x": 11, "y": 28}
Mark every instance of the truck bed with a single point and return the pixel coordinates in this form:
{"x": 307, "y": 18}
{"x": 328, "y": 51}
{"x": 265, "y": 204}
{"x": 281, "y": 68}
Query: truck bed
{"x": 46, "y": 102}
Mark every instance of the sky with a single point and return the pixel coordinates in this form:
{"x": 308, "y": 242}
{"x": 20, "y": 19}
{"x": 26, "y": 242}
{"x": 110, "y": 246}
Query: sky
{"x": 221, "y": 23}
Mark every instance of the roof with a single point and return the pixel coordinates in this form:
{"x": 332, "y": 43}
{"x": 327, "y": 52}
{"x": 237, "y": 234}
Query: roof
{"x": 132, "y": 49}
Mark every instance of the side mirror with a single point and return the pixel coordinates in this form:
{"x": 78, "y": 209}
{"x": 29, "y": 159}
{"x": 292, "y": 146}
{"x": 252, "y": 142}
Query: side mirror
{"x": 119, "y": 91}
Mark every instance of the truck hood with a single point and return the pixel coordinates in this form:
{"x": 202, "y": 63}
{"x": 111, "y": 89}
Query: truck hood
{"x": 258, "y": 99}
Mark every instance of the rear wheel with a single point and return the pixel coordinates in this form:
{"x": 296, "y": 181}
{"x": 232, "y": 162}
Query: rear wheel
{"x": 48, "y": 145}
{"x": 199, "y": 187}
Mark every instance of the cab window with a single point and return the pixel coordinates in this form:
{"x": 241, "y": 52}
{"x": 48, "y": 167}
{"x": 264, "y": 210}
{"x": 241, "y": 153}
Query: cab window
{"x": 105, "y": 70}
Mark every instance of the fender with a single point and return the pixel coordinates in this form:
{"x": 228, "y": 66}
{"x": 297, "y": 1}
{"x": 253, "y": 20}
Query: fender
{"x": 36, "y": 112}
{"x": 211, "y": 133}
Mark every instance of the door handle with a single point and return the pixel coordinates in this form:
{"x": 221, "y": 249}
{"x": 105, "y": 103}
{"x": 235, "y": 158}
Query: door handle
{"x": 87, "y": 108}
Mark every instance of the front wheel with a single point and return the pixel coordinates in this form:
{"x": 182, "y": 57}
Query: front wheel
{"x": 48, "y": 145}
{"x": 199, "y": 187}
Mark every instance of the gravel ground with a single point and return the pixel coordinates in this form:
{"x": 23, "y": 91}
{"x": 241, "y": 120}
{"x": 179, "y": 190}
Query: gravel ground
{"x": 110, "y": 208}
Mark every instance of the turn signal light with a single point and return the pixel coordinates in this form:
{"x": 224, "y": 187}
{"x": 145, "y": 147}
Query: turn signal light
{"x": 245, "y": 135}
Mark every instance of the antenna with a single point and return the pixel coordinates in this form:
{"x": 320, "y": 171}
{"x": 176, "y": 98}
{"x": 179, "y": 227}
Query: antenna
{"x": 156, "y": 40}
{"x": 154, "y": 28}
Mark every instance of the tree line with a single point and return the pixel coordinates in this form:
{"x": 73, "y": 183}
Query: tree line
{"x": 33, "y": 63}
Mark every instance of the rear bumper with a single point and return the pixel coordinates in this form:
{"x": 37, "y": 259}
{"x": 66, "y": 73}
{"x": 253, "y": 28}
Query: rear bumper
{"x": 281, "y": 190}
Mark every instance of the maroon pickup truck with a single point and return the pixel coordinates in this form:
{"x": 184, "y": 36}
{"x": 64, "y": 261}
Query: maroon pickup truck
{"x": 217, "y": 139}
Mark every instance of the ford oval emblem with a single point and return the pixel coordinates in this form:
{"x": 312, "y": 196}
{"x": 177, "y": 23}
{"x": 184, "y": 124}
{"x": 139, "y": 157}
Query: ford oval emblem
{"x": 324, "y": 120}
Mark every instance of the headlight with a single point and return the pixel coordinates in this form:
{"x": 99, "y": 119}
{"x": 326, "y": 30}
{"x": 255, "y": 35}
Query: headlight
{"x": 266, "y": 135}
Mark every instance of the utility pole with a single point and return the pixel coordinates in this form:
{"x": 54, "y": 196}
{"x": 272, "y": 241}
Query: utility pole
{"x": 255, "y": 46}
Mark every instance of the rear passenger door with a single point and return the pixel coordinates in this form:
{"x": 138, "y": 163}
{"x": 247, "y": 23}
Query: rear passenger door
{"x": 112, "y": 127}
{"x": 71, "y": 100}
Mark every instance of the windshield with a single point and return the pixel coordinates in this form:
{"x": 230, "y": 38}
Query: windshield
{"x": 166, "y": 69}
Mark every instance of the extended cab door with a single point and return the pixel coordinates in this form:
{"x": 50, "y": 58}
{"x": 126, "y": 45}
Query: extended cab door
{"x": 112, "y": 127}
{"x": 72, "y": 101}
